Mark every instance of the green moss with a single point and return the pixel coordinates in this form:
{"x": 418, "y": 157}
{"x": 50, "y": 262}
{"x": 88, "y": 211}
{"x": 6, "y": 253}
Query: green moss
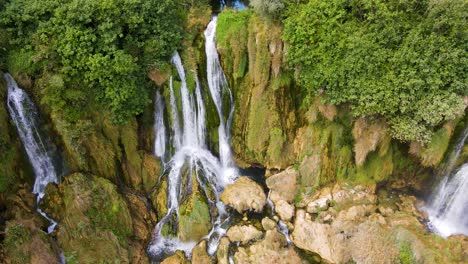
{"x": 406, "y": 254}
{"x": 194, "y": 220}
{"x": 433, "y": 153}
{"x": 260, "y": 122}
{"x": 276, "y": 143}
{"x": 109, "y": 211}
{"x": 283, "y": 80}
{"x": 231, "y": 36}
{"x": 375, "y": 169}
{"x": 16, "y": 237}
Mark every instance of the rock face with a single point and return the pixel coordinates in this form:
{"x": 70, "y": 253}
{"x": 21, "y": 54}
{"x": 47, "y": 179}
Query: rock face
{"x": 243, "y": 234}
{"x": 244, "y": 195}
{"x": 95, "y": 224}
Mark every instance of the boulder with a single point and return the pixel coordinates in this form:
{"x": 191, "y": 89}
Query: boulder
{"x": 268, "y": 224}
{"x": 243, "y": 234}
{"x": 284, "y": 210}
{"x": 284, "y": 185}
{"x": 315, "y": 237}
{"x": 244, "y": 195}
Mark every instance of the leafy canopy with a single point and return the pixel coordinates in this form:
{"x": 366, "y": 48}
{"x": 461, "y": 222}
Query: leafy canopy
{"x": 91, "y": 51}
{"x": 405, "y": 60}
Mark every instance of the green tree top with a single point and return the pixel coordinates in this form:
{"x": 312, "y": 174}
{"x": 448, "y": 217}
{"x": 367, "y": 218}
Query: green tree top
{"x": 101, "y": 49}
{"x": 405, "y": 60}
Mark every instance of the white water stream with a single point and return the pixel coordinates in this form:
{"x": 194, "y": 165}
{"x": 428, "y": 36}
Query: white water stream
{"x": 448, "y": 205}
{"x": 191, "y": 154}
{"x": 24, "y": 114}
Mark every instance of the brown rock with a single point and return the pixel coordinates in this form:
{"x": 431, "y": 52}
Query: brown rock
{"x": 284, "y": 185}
{"x": 199, "y": 254}
{"x": 243, "y": 234}
{"x": 244, "y": 195}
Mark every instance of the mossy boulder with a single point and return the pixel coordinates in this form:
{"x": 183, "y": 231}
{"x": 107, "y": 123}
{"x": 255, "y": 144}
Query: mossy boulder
{"x": 94, "y": 222}
{"x": 194, "y": 216}
{"x": 25, "y": 242}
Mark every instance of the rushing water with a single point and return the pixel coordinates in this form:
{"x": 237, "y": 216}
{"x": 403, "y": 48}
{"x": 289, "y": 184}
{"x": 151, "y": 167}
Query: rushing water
{"x": 40, "y": 151}
{"x": 448, "y": 205}
{"x": 159, "y": 128}
{"x": 191, "y": 156}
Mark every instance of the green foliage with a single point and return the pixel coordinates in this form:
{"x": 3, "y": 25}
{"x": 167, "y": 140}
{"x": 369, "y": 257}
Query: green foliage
{"x": 269, "y": 9}
{"x": 403, "y": 60}
{"x": 100, "y": 49}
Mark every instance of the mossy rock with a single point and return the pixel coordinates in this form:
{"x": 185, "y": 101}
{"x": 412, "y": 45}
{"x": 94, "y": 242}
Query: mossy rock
{"x": 195, "y": 220}
{"x": 8, "y": 149}
{"x": 26, "y": 243}
{"x": 94, "y": 222}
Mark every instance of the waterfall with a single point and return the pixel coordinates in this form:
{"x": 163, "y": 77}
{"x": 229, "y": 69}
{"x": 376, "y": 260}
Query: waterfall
{"x": 448, "y": 213}
{"x": 217, "y": 85}
{"x": 191, "y": 154}
{"x": 448, "y": 205}
{"x": 40, "y": 152}
{"x": 159, "y": 128}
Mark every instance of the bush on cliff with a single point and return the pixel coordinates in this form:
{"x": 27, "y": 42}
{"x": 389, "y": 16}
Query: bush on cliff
{"x": 403, "y": 60}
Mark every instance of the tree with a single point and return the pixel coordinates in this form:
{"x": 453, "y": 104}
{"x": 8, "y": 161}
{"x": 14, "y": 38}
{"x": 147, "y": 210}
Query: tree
{"x": 101, "y": 49}
{"x": 403, "y": 60}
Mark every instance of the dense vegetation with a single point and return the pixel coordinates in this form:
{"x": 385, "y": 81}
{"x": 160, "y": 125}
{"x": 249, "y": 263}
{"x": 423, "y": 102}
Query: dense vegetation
{"x": 402, "y": 60}
{"x": 84, "y": 52}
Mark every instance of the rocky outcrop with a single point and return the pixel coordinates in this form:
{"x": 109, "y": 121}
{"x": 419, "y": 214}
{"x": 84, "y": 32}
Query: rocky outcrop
{"x": 346, "y": 223}
{"x": 244, "y": 195}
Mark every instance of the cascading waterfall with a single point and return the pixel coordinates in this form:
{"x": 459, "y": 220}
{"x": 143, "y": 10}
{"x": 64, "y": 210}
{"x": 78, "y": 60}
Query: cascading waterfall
{"x": 40, "y": 153}
{"x": 159, "y": 128}
{"x": 217, "y": 85}
{"x": 191, "y": 155}
{"x": 448, "y": 205}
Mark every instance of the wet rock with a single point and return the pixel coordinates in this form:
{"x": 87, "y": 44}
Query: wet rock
{"x": 244, "y": 195}
{"x": 223, "y": 251}
{"x": 268, "y": 224}
{"x": 177, "y": 258}
{"x": 284, "y": 185}
{"x": 195, "y": 220}
{"x": 199, "y": 254}
{"x": 284, "y": 210}
{"x": 273, "y": 249}
{"x": 243, "y": 234}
